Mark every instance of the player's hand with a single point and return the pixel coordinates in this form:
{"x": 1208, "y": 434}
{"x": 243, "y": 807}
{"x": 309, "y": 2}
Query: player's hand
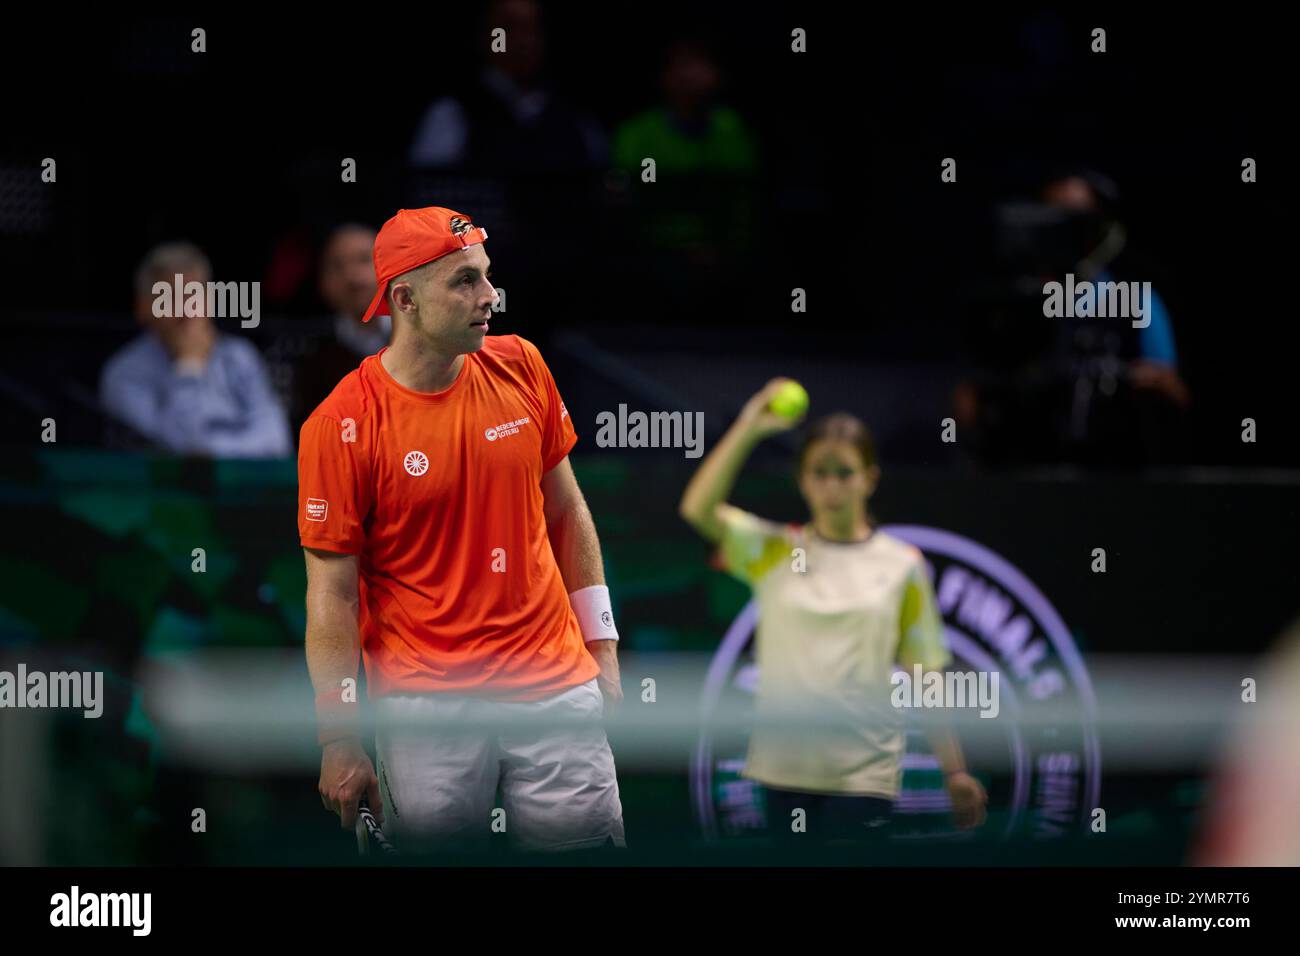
{"x": 758, "y": 420}
{"x": 347, "y": 775}
{"x": 968, "y": 800}
{"x": 609, "y": 680}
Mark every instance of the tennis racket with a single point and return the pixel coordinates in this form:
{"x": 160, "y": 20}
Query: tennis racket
{"x": 370, "y": 832}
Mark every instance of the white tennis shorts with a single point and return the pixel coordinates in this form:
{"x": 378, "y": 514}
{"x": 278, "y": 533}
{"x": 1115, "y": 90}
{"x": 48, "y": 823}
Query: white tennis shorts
{"x": 440, "y": 769}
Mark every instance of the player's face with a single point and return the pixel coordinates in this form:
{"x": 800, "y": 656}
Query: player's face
{"x": 834, "y": 479}
{"x": 456, "y": 301}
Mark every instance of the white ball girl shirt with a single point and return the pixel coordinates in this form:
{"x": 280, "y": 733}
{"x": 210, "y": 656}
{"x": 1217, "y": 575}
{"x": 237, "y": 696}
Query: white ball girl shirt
{"x": 834, "y": 619}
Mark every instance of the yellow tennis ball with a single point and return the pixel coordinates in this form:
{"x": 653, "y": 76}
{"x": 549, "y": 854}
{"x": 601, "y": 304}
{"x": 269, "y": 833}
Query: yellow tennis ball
{"x": 790, "y": 400}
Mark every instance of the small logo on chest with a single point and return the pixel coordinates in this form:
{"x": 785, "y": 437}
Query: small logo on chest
{"x": 504, "y": 429}
{"x": 416, "y": 463}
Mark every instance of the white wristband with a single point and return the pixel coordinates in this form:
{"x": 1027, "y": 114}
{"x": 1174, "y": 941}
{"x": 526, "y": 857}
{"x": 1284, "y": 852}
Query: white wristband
{"x": 595, "y": 616}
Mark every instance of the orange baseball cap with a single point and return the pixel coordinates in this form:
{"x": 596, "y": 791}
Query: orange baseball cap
{"x": 414, "y": 237}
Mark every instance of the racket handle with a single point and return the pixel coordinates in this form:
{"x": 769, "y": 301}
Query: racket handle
{"x": 363, "y": 842}
{"x": 368, "y": 826}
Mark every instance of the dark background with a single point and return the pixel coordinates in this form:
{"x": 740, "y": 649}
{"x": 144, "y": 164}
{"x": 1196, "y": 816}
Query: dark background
{"x": 238, "y": 149}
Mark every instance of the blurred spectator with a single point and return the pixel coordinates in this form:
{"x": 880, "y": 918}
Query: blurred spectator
{"x": 507, "y": 144}
{"x": 1084, "y": 389}
{"x": 1154, "y": 368}
{"x": 509, "y": 119}
{"x": 690, "y": 131}
{"x": 347, "y": 284}
{"x": 700, "y": 211}
{"x": 183, "y": 385}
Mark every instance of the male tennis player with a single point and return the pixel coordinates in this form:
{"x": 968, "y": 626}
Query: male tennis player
{"x": 448, "y": 543}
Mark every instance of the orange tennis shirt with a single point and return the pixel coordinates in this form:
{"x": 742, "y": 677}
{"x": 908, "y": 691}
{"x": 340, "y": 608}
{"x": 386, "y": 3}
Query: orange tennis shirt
{"x": 439, "y": 496}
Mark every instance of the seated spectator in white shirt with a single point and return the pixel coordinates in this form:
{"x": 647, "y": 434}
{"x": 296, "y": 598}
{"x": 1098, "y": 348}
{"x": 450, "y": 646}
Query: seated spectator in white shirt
{"x": 185, "y": 386}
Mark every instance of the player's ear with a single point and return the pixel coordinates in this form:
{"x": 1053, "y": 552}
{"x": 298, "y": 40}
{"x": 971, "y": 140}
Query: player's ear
{"x": 401, "y": 297}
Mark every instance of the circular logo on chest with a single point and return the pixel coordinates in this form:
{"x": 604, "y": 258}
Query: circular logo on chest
{"x": 416, "y": 463}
